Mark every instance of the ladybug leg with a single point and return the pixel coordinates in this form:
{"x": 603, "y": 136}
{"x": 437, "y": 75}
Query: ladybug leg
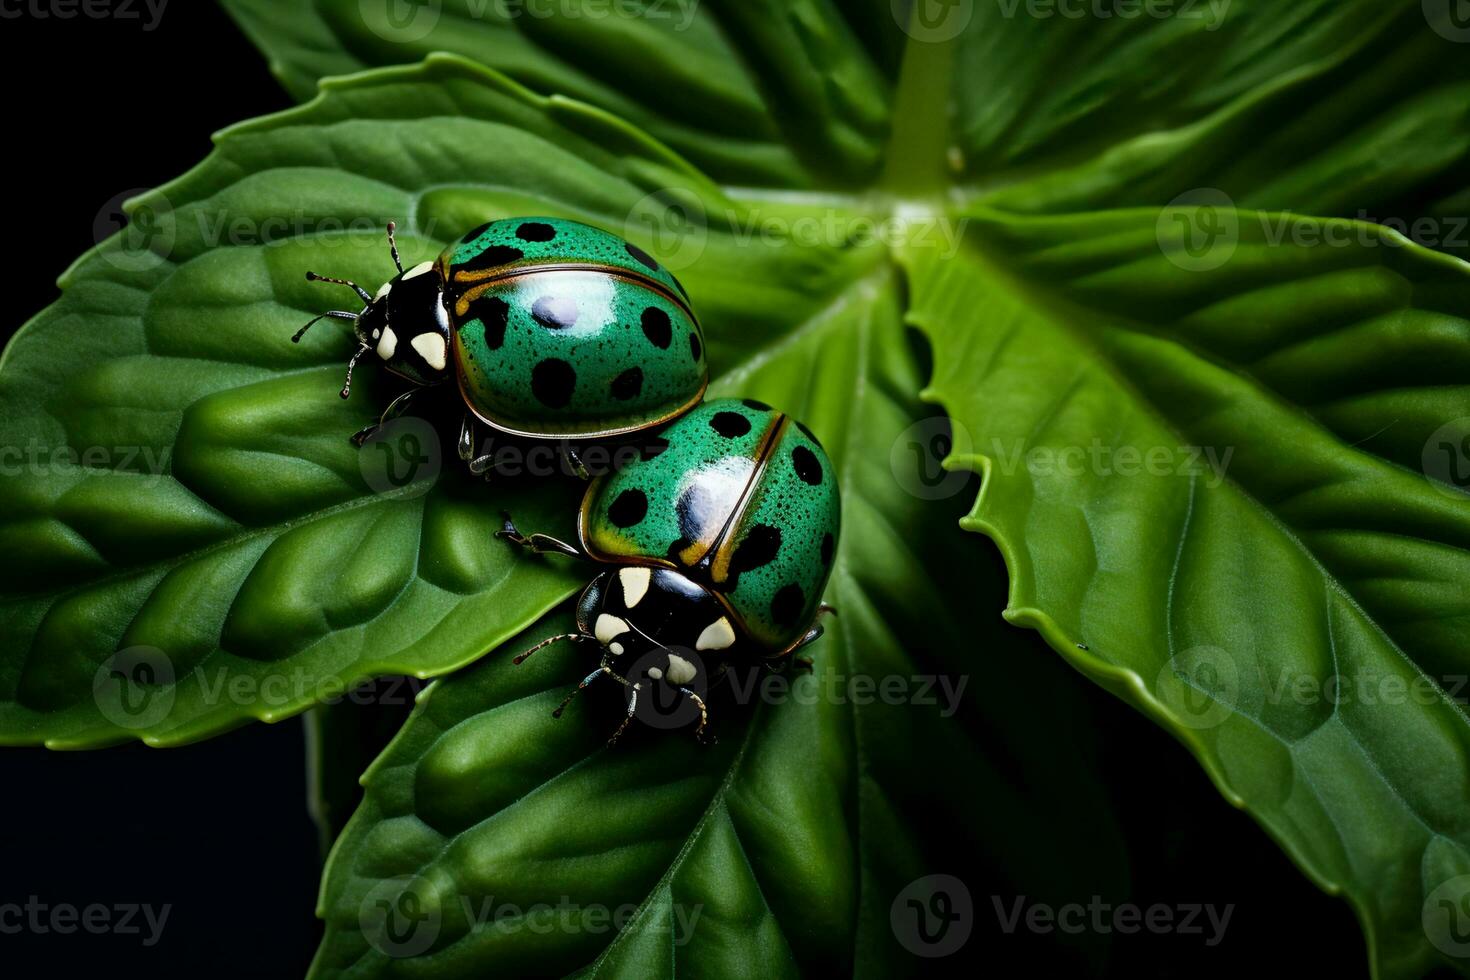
{"x": 536, "y": 544}
{"x": 811, "y": 636}
{"x": 603, "y": 668}
{"x": 395, "y": 408}
{"x": 578, "y": 689}
{"x": 703, "y": 716}
{"x": 478, "y": 465}
{"x": 574, "y": 462}
{"x": 467, "y": 438}
{"x": 628, "y": 718}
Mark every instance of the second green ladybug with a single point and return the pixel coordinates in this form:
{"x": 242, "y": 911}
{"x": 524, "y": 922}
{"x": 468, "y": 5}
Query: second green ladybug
{"x": 718, "y": 541}
{"x": 553, "y": 330}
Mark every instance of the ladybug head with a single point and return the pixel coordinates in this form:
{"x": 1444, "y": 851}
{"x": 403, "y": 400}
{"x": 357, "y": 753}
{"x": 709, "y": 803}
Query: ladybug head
{"x": 406, "y": 323}
{"x": 656, "y": 622}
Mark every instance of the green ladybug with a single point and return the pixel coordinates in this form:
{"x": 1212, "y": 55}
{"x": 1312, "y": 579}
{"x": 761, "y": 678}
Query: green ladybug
{"x": 553, "y": 330}
{"x": 720, "y": 540}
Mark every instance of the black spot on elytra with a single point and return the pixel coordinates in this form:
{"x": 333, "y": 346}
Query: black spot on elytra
{"x": 829, "y": 545}
{"x": 657, "y": 328}
{"x": 653, "y": 448}
{"x": 494, "y": 257}
{"x": 757, "y": 548}
{"x": 643, "y": 257}
{"x": 729, "y": 424}
{"x": 535, "y": 231}
{"x": 787, "y": 604}
{"x": 470, "y": 236}
{"x": 554, "y": 312}
{"x": 755, "y": 405}
{"x": 552, "y": 382}
{"x": 807, "y": 466}
{"x": 808, "y": 432}
{"x": 695, "y": 347}
{"x": 628, "y": 384}
{"x": 494, "y": 313}
{"x": 628, "y": 508}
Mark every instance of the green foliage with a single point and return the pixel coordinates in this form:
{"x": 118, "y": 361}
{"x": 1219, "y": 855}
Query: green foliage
{"x": 1063, "y": 208}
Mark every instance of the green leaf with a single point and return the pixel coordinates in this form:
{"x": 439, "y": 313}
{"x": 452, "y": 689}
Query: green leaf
{"x": 784, "y": 846}
{"x": 1357, "y": 109}
{"x": 768, "y": 92}
{"x": 1213, "y": 478}
{"x": 1320, "y": 365}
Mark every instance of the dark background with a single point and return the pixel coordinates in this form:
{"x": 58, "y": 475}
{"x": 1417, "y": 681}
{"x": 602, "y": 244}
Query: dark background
{"x": 220, "y": 830}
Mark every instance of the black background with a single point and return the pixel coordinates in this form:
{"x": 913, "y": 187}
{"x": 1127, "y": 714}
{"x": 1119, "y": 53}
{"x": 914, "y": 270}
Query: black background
{"x": 220, "y": 832}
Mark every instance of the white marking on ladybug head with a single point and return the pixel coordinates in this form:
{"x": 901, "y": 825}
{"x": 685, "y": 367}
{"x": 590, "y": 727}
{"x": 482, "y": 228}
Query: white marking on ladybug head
{"x": 608, "y": 627}
{"x": 418, "y": 270}
{"x": 383, "y": 290}
{"x": 716, "y": 636}
{"x": 655, "y": 673}
{"x": 635, "y": 584}
{"x": 431, "y": 348}
{"x": 681, "y": 671}
{"x": 388, "y": 345}
{"x": 616, "y": 649}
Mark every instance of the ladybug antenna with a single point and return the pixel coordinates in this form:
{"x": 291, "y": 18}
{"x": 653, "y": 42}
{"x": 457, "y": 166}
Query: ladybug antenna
{"x": 367, "y": 297}
{"x": 334, "y": 314}
{"x": 393, "y": 245}
{"x": 347, "y": 385}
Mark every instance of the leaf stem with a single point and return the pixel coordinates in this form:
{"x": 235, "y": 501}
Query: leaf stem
{"x": 916, "y": 162}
